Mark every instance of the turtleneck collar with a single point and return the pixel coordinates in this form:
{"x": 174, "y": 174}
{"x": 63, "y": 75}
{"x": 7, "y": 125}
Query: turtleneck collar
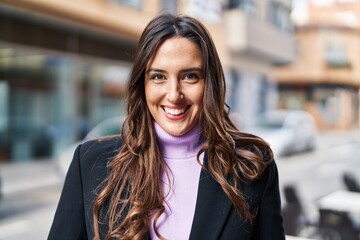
{"x": 179, "y": 147}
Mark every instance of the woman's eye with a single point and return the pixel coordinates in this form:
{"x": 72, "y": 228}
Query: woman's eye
{"x": 191, "y": 77}
{"x": 157, "y": 77}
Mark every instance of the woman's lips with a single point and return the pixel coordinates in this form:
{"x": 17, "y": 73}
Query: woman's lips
{"x": 175, "y": 113}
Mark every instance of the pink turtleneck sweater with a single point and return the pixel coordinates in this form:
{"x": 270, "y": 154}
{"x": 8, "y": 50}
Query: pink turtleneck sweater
{"x": 180, "y": 155}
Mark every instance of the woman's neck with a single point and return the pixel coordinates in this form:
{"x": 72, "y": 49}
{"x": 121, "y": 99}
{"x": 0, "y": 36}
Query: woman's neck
{"x": 179, "y": 147}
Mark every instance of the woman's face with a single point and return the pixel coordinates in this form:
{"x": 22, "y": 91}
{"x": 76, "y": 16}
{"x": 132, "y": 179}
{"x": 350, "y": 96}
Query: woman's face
{"x": 174, "y": 85}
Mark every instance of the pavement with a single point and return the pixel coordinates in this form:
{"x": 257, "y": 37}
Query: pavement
{"x": 30, "y": 192}
{"x": 28, "y": 175}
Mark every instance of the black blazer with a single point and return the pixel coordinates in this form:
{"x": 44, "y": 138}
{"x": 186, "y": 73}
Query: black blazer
{"x": 215, "y": 217}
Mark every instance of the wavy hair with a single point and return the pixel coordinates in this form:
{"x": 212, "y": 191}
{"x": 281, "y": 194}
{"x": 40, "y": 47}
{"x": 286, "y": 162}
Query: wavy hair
{"x": 133, "y": 190}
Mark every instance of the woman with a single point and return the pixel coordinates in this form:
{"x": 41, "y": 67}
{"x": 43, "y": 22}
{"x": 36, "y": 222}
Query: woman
{"x": 181, "y": 169}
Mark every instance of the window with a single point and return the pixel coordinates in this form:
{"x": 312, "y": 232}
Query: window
{"x": 249, "y": 6}
{"x": 208, "y": 11}
{"x": 335, "y": 56}
{"x": 279, "y": 15}
{"x": 170, "y": 6}
{"x": 4, "y": 105}
{"x": 335, "y": 51}
{"x": 133, "y": 3}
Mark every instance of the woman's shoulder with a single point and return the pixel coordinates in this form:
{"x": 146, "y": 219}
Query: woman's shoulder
{"x": 104, "y": 145}
{"x": 99, "y": 151}
{"x": 93, "y": 157}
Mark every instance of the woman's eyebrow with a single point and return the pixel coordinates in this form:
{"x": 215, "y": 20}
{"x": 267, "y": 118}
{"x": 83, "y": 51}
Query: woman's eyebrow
{"x": 154, "y": 70}
{"x": 192, "y": 69}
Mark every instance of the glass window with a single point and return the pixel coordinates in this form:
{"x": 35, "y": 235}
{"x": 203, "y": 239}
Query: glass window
{"x": 208, "y": 11}
{"x": 249, "y": 6}
{"x": 48, "y": 101}
{"x": 335, "y": 56}
{"x": 335, "y": 51}
{"x": 279, "y": 15}
{"x": 133, "y": 3}
{"x": 170, "y": 6}
{"x": 4, "y": 105}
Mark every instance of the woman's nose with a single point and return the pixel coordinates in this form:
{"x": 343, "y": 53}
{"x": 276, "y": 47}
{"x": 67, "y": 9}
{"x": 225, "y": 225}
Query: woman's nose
{"x": 173, "y": 94}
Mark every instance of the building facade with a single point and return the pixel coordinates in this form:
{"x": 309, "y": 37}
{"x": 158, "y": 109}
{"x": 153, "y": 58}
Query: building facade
{"x": 325, "y": 77}
{"x": 64, "y": 66}
{"x": 259, "y": 35}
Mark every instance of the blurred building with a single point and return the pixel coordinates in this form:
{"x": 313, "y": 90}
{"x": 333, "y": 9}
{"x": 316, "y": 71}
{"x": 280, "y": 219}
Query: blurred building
{"x": 325, "y": 77}
{"x": 259, "y": 34}
{"x": 64, "y": 63}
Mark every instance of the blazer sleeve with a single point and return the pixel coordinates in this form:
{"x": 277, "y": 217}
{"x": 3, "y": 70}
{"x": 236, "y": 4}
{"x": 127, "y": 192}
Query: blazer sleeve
{"x": 269, "y": 218}
{"x": 69, "y": 220}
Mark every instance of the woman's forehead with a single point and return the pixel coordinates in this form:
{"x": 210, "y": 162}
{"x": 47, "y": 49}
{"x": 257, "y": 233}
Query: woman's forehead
{"x": 176, "y": 50}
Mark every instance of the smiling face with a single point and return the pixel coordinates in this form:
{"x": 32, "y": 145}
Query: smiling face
{"x": 174, "y": 85}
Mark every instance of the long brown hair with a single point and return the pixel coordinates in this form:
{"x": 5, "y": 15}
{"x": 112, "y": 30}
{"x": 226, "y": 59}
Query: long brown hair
{"x": 133, "y": 189}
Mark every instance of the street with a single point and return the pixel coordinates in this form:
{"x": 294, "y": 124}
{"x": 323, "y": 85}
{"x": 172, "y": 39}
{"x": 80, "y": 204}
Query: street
{"x": 31, "y": 190}
{"x": 321, "y": 172}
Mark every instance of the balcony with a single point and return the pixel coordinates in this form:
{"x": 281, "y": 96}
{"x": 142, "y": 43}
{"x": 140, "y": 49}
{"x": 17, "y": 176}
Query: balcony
{"x": 253, "y": 37}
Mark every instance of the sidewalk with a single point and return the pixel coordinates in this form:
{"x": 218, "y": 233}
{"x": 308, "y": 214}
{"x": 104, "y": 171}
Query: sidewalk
{"x": 20, "y": 176}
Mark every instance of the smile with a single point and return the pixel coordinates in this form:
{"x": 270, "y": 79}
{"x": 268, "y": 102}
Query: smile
{"x": 174, "y": 111}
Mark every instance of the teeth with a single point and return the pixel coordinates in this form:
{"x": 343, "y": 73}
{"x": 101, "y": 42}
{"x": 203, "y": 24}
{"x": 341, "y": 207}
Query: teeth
{"x": 174, "y": 111}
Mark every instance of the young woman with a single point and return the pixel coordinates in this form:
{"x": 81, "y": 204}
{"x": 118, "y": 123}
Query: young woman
{"x": 180, "y": 169}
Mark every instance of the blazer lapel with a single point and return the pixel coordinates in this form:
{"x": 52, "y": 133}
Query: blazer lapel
{"x": 212, "y": 208}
